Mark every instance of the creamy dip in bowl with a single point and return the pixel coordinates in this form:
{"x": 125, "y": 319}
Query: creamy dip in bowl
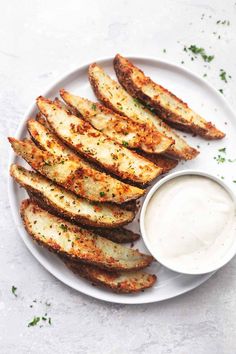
{"x": 188, "y": 222}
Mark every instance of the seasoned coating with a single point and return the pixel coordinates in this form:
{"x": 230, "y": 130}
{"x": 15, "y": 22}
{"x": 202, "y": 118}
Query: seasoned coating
{"x": 96, "y": 146}
{"x": 69, "y": 205}
{"x": 112, "y": 95}
{"x": 169, "y": 107}
{"x": 74, "y": 175}
{"x": 118, "y": 282}
{"x": 127, "y": 132}
{"x": 78, "y": 244}
{"x": 164, "y": 162}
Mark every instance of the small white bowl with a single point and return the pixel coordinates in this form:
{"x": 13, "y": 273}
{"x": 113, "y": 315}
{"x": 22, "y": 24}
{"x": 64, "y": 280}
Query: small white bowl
{"x": 229, "y": 253}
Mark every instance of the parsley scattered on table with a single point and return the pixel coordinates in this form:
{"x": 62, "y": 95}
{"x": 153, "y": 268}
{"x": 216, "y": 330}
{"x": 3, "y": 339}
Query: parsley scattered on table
{"x": 224, "y": 76}
{"x": 34, "y": 321}
{"x": 222, "y": 150}
{"x": 221, "y": 91}
{"x": 199, "y": 51}
{"x": 13, "y": 290}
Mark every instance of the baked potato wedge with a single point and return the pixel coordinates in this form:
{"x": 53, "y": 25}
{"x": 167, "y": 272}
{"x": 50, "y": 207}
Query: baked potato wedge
{"x": 120, "y": 128}
{"x": 118, "y": 282}
{"x": 67, "y": 204}
{"x": 114, "y": 96}
{"x": 164, "y": 162}
{"x": 96, "y": 146}
{"x": 169, "y": 107}
{"x": 74, "y": 175}
{"x": 78, "y": 244}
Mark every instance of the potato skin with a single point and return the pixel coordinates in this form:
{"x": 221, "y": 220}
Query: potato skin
{"x": 124, "y": 69}
{"x": 102, "y": 259}
{"x": 110, "y": 280}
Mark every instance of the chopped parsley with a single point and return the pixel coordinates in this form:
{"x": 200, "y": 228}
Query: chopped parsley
{"x": 124, "y": 143}
{"x": 223, "y": 75}
{"x": 164, "y": 50}
{"x": 102, "y": 194}
{"x": 220, "y": 159}
{"x": 234, "y": 181}
{"x": 222, "y": 150}
{"x": 225, "y": 22}
{"x": 64, "y": 227}
{"x": 221, "y": 91}
{"x": 13, "y": 290}
{"x": 34, "y": 321}
{"x": 94, "y": 107}
{"x": 199, "y": 51}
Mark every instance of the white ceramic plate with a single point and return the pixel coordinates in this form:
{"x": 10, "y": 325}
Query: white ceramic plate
{"x": 201, "y": 97}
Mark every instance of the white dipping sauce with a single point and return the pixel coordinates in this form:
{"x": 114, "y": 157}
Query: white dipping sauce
{"x": 190, "y": 222}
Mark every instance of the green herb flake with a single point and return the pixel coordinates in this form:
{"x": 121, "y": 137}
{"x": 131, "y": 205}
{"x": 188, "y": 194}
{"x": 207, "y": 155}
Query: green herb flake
{"x": 223, "y": 75}
{"x": 221, "y": 91}
{"x": 102, "y": 194}
{"x": 50, "y": 321}
{"x": 234, "y": 181}
{"x": 222, "y": 150}
{"x": 94, "y": 107}
{"x": 124, "y": 143}
{"x": 64, "y": 227}
{"x": 34, "y": 322}
{"x": 200, "y": 51}
{"x": 13, "y": 290}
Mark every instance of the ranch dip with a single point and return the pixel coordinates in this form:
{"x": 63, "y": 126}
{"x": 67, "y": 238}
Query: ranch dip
{"x": 190, "y": 222}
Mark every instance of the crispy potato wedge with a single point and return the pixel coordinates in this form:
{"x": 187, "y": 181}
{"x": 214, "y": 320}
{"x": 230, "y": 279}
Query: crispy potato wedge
{"x": 118, "y": 282}
{"x": 69, "y": 205}
{"x": 112, "y": 95}
{"x": 120, "y": 128}
{"x": 78, "y": 244}
{"x": 119, "y": 235}
{"x": 169, "y": 107}
{"x": 48, "y": 141}
{"x": 164, "y": 162}
{"x": 96, "y": 146}
{"x": 75, "y": 175}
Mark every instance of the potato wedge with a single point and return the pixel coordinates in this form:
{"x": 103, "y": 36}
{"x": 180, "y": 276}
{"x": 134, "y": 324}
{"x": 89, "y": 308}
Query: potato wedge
{"x": 169, "y": 107}
{"x": 119, "y": 235}
{"x": 164, "y": 162}
{"x": 96, "y": 146}
{"x": 78, "y": 244}
{"x": 112, "y": 95}
{"x": 68, "y": 205}
{"x": 118, "y": 282}
{"x": 75, "y": 175}
{"x": 120, "y": 128}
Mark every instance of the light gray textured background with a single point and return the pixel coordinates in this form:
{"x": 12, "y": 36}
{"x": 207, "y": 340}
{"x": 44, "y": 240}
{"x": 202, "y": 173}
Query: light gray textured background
{"x": 39, "y": 42}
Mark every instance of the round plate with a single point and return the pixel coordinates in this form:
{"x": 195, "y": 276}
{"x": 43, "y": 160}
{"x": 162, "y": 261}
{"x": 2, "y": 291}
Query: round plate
{"x": 202, "y": 98}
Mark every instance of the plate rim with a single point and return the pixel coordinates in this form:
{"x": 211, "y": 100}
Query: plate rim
{"x": 10, "y": 182}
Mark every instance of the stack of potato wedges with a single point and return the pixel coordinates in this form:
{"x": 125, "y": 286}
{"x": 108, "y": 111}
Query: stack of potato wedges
{"x": 92, "y": 161}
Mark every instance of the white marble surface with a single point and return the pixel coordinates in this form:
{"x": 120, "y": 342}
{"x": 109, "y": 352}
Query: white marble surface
{"x": 39, "y": 42}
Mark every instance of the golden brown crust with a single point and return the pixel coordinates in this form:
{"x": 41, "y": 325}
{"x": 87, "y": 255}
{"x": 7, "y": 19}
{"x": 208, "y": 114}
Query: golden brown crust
{"x": 138, "y": 85}
{"x": 75, "y": 176}
{"x": 97, "y": 147}
{"x": 120, "y": 128}
{"x": 123, "y": 283}
{"x": 102, "y": 84}
{"x": 63, "y": 203}
{"x": 76, "y": 243}
{"x": 167, "y": 164}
